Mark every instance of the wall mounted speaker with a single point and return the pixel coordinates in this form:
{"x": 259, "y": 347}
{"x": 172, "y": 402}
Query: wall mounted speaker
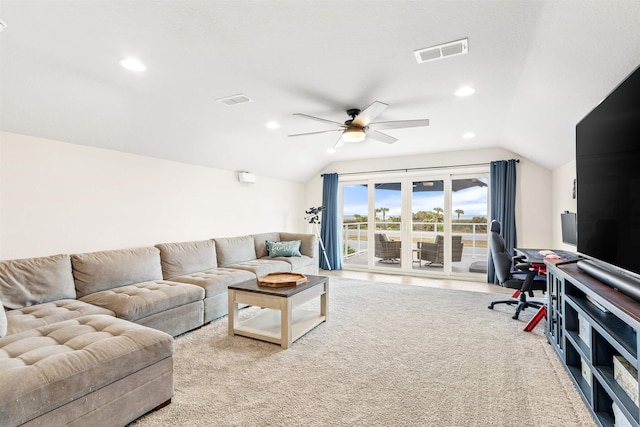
{"x": 246, "y": 178}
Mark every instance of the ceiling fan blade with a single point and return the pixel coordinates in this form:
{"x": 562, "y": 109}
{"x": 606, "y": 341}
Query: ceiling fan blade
{"x": 369, "y": 114}
{"x": 399, "y": 124}
{"x": 339, "y": 142}
{"x": 319, "y": 119}
{"x": 379, "y": 136}
{"x": 313, "y": 133}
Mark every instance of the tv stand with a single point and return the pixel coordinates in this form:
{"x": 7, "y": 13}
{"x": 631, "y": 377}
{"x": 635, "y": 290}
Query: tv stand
{"x": 617, "y": 281}
{"x": 593, "y": 328}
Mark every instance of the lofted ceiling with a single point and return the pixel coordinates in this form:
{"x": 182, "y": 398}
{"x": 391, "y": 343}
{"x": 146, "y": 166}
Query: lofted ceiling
{"x": 537, "y": 66}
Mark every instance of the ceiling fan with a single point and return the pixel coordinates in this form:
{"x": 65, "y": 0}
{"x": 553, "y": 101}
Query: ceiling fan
{"x": 362, "y": 126}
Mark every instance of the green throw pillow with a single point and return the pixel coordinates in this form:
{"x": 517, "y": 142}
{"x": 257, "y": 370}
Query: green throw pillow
{"x": 276, "y": 249}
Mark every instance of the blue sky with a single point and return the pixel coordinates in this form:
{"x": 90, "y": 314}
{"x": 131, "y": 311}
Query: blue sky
{"x": 473, "y": 201}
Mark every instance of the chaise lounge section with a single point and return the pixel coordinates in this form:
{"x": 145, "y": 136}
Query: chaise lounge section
{"x": 70, "y": 362}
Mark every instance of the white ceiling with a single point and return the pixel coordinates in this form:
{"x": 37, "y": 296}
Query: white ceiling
{"x": 538, "y": 68}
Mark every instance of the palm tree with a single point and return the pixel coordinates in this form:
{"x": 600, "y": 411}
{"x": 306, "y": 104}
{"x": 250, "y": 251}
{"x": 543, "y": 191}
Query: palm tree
{"x": 438, "y": 211}
{"x": 459, "y": 212}
{"x": 384, "y": 212}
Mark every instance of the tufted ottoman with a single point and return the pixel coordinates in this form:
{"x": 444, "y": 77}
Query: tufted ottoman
{"x": 92, "y": 370}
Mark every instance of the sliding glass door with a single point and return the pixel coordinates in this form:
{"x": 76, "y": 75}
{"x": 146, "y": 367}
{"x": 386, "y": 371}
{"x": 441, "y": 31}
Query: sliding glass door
{"x": 387, "y": 209}
{"x": 355, "y": 224}
{"x": 421, "y": 224}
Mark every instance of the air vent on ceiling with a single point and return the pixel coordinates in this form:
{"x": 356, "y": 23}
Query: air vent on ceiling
{"x": 458, "y": 47}
{"x": 235, "y": 99}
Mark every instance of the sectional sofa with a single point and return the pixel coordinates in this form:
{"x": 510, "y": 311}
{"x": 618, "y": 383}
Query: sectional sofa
{"x": 87, "y": 339}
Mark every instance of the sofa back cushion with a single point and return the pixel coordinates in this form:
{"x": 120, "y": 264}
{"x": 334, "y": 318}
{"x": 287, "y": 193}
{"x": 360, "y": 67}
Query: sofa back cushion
{"x": 308, "y": 242}
{"x": 260, "y": 243}
{"x": 3, "y": 322}
{"x": 25, "y": 282}
{"x": 179, "y": 259}
{"x": 98, "y": 271}
{"x": 232, "y": 250}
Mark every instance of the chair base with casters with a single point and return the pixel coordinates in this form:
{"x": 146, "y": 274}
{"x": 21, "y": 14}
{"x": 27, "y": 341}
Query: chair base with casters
{"x": 519, "y": 298}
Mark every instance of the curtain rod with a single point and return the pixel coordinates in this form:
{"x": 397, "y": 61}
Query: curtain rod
{"x": 418, "y": 169}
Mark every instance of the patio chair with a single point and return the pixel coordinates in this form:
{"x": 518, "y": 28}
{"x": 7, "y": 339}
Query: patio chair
{"x": 433, "y": 253}
{"x": 387, "y": 250}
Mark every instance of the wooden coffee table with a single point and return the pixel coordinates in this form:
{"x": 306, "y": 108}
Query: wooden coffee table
{"x": 281, "y": 320}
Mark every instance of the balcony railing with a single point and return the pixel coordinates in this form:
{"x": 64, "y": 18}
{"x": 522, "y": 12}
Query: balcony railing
{"x": 355, "y": 235}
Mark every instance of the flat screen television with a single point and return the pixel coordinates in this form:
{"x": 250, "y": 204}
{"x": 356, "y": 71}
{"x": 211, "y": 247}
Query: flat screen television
{"x": 568, "y": 225}
{"x": 608, "y": 183}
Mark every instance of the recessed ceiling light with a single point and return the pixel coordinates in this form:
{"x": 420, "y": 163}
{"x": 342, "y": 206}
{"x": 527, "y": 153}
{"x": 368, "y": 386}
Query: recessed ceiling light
{"x": 469, "y": 135}
{"x": 331, "y": 150}
{"x": 465, "y": 91}
{"x": 273, "y": 125}
{"x": 133, "y": 64}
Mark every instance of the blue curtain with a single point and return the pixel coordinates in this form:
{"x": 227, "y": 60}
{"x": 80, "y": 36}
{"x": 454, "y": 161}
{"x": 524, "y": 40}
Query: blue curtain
{"x": 329, "y": 226}
{"x": 502, "y": 176}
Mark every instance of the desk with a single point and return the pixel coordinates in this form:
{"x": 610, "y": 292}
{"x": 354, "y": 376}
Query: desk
{"x": 531, "y": 255}
{"x": 534, "y": 255}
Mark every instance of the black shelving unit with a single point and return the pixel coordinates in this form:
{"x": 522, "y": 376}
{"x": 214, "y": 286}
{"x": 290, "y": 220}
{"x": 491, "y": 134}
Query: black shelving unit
{"x": 588, "y": 324}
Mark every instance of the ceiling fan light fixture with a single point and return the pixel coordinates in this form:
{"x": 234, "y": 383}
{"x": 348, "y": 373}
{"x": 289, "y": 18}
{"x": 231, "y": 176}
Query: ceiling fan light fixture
{"x": 354, "y": 135}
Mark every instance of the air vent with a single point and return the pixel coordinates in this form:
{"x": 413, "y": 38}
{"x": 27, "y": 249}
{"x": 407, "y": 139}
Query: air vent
{"x": 235, "y": 99}
{"x": 458, "y": 47}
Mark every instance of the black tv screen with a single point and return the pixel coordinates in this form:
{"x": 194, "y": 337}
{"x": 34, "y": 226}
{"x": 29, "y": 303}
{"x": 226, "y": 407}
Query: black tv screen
{"x": 568, "y": 225}
{"x": 608, "y": 179}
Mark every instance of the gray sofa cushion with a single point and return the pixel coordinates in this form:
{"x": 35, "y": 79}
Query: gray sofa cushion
{"x": 302, "y": 264}
{"x": 3, "y": 322}
{"x": 38, "y": 315}
{"x": 183, "y": 258}
{"x": 308, "y": 242}
{"x": 260, "y": 267}
{"x": 25, "y": 282}
{"x": 216, "y": 281}
{"x": 98, "y": 271}
{"x": 134, "y": 302}
{"x": 259, "y": 241}
{"x": 233, "y": 250}
{"x": 55, "y": 364}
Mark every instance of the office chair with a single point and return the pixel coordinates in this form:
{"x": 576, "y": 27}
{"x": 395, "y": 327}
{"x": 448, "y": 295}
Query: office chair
{"x": 524, "y": 279}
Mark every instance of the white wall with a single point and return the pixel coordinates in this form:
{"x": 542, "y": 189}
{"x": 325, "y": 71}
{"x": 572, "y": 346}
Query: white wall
{"x": 57, "y": 197}
{"x": 562, "y": 179}
{"x": 533, "y": 200}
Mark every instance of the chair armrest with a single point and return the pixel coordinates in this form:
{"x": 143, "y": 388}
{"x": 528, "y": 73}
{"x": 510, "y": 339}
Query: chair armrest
{"x": 392, "y": 244}
{"x": 427, "y": 246}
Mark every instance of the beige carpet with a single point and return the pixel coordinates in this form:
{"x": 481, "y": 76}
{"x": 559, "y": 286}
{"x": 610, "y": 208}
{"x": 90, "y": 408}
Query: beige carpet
{"x": 390, "y": 355}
